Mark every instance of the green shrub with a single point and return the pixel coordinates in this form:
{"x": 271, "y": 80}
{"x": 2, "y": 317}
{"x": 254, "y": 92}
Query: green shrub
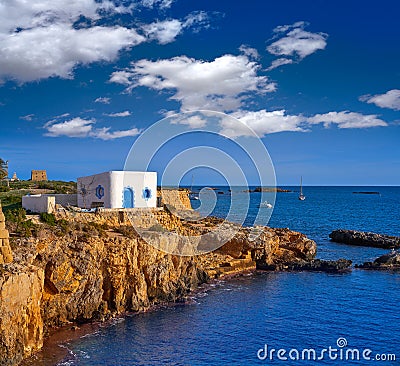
{"x": 48, "y": 219}
{"x": 4, "y": 188}
{"x": 18, "y": 224}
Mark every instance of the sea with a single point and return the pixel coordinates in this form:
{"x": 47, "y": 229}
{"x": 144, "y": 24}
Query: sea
{"x": 280, "y": 318}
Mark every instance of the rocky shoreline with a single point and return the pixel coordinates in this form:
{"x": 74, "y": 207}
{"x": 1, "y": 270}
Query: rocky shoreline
{"x": 91, "y": 268}
{"x": 390, "y": 261}
{"x": 94, "y": 267}
{"x": 366, "y": 239}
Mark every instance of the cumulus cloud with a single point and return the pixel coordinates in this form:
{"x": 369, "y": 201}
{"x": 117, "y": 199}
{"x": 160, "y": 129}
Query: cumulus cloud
{"x": 103, "y": 100}
{"x": 166, "y": 31}
{"x": 76, "y": 127}
{"x": 163, "y": 31}
{"x": 57, "y": 49}
{"x": 264, "y": 122}
{"x": 295, "y": 43}
{"x": 80, "y": 128}
{"x": 119, "y": 114}
{"x": 346, "y": 119}
{"x": 50, "y": 38}
{"x": 390, "y": 99}
{"x": 222, "y": 84}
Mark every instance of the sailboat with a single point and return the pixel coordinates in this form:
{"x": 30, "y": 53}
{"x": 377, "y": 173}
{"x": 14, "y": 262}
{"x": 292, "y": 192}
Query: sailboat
{"x": 302, "y": 197}
{"x": 192, "y": 195}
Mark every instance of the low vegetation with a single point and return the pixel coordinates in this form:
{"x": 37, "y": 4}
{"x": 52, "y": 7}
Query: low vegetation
{"x": 11, "y": 197}
{"x": 18, "y": 224}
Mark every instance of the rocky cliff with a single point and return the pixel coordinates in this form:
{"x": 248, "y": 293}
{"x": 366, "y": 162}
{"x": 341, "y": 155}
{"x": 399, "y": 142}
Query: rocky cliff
{"x": 85, "y": 269}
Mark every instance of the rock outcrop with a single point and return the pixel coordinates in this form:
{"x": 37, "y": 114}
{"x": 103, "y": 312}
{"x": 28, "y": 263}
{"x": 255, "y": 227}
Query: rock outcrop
{"x": 389, "y": 261}
{"x": 21, "y": 323}
{"x": 5, "y": 250}
{"x": 319, "y": 265}
{"x": 365, "y": 239}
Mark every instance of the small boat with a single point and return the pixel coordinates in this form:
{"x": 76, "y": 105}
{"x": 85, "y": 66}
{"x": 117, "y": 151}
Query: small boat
{"x": 302, "y": 197}
{"x": 266, "y": 204}
{"x": 193, "y": 196}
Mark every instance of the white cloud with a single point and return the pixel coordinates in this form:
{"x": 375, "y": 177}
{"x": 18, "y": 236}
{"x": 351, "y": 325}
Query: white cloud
{"x": 103, "y": 100}
{"x": 163, "y": 31}
{"x": 57, "y": 49}
{"x": 166, "y": 31}
{"x": 162, "y": 4}
{"x": 191, "y": 121}
{"x": 28, "y": 117}
{"x": 222, "y": 84}
{"x": 50, "y": 38}
{"x": 264, "y": 122}
{"x": 279, "y": 62}
{"x": 80, "y": 128}
{"x": 346, "y": 119}
{"x": 119, "y": 114}
{"x": 105, "y": 134}
{"x": 76, "y": 127}
{"x": 249, "y": 52}
{"x": 390, "y": 99}
{"x": 295, "y": 42}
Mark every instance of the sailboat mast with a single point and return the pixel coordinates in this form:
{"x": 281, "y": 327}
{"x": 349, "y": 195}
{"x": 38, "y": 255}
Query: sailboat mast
{"x": 301, "y": 186}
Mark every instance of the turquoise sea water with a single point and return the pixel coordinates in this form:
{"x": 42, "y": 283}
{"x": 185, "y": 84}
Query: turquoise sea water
{"x": 229, "y": 322}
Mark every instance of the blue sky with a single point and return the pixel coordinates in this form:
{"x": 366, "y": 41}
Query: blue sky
{"x": 318, "y": 81}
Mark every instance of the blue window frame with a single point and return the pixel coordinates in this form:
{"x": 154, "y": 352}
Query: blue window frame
{"x": 147, "y": 194}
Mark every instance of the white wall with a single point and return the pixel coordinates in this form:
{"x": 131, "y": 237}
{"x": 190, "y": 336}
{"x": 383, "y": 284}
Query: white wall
{"x": 39, "y": 203}
{"x": 87, "y": 187}
{"x": 137, "y": 181}
{"x": 114, "y": 183}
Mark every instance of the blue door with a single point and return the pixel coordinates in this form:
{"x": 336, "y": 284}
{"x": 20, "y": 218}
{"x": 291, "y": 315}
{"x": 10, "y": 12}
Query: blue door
{"x": 129, "y": 199}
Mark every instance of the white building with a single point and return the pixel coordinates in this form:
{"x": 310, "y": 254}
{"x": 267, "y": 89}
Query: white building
{"x": 39, "y": 203}
{"x": 118, "y": 189}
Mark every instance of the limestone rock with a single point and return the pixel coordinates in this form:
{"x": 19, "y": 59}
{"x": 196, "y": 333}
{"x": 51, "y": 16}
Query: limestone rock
{"x": 365, "y": 239}
{"x": 5, "y": 249}
{"x": 389, "y": 261}
{"x": 20, "y": 312}
{"x": 79, "y": 277}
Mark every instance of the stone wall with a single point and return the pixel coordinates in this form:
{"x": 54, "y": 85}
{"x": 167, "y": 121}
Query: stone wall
{"x": 5, "y": 250}
{"x": 176, "y": 198}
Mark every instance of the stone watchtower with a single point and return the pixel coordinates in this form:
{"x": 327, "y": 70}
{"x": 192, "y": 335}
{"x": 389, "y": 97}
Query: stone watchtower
{"x": 38, "y": 175}
{"x": 5, "y": 250}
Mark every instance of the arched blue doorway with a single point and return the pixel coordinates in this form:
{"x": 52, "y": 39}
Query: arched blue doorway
{"x": 129, "y": 198}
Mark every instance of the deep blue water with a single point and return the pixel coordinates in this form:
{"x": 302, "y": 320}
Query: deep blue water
{"x": 227, "y": 323}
